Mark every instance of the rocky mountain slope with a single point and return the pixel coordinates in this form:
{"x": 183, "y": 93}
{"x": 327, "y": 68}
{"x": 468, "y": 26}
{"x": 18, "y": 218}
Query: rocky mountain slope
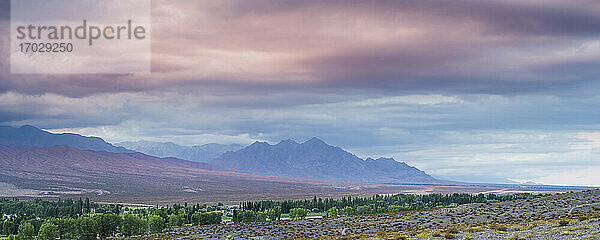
{"x": 32, "y": 136}
{"x": 63, "y": 171}
{"x": 202, "y": 153}
{"x": 316, "y": 159}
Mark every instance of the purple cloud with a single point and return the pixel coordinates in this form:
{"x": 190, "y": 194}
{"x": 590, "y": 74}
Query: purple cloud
{"x": 382, "y": 45}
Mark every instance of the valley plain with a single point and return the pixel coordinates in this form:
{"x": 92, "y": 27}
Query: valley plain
{"x": 135, "y": 178}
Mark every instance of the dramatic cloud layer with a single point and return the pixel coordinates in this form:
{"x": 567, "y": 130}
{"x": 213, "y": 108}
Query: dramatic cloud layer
{"x": 497, "y": 89}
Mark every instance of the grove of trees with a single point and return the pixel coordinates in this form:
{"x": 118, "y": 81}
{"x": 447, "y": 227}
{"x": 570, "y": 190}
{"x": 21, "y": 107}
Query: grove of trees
{"x": 67, "y": 219}
{"x": 297, "y": 209}
{"x": 383, "y": 203}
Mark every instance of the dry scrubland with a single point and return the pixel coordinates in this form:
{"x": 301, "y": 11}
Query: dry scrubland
{"x": 574, "y": 215}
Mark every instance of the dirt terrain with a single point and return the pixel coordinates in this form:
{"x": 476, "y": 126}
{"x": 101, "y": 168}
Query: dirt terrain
{"x": 573, "y": 215}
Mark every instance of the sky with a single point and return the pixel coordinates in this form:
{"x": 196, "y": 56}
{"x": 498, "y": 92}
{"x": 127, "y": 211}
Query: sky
{"x": 461, "y": 89}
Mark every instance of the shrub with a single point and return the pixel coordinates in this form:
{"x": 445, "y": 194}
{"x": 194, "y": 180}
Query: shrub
{"x": 248, "y": 216}
{"x": 298, "y": 213}
{"x": 401, "y": 237}
{"x": 26, "y": 231}
{"x": 474, "y": 229}
{"x": 176, "y": 220}
{"x": 132, "y": 225}
{"x": 274, "y": 213}
{"x": 156, "y": 223}
{"x": 348, "y": 210}
{"x": 563, "y": 222}
{"x": 516, "y": 236}
{"x": 332, "y": 212}
{"x": 49, "y": 231}
{"x": 67, "y": 227}
{"x": 9, "y": 227}
{"x": 500, "y": 227}
{"x": 87, "y": 228}
{"x": 107, "y": 224}
{"x": 364, "y": 209}
{"x": 215, "y": 218}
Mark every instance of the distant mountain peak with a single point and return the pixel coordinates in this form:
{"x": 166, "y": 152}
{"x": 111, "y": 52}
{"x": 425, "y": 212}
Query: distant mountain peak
{"x": 259, "y": 143}
{"x": 28, "y": 135}
{"x": 287, "y": 142}
{"x": 30, "y": 127}
{"x": 198, "y": 153}
{"x": 384, "y": 159}
{"x": 315, "y": 141}
{"x": 318, "y": 160}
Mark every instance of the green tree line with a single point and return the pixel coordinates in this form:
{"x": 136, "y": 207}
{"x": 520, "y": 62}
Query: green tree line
{"x": 296, "y": 209}
{"x": 396, "y": 202}
{"x": 67, "y": 219}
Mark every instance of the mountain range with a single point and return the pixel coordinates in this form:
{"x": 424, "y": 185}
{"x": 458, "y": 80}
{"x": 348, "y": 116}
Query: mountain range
{"x": 203, "y": 153}
{"x": 71, "y": 172}
{"x": 32, "y": 136}
{"x": 315, "y": 159}
{"x": 70, "y": 164}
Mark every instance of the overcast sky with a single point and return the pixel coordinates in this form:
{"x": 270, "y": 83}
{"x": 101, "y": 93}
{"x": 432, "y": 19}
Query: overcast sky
{"x": 503, "y": 89}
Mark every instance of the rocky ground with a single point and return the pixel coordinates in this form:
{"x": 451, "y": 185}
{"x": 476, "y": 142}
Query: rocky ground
{"x": 574, "y": 215}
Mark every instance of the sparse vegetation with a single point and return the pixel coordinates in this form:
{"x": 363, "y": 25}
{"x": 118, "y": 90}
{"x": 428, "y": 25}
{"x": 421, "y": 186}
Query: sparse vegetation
{"x": 520, "y": 219}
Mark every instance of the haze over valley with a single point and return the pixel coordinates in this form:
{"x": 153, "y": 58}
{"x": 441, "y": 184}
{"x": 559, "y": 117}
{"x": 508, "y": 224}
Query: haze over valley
{"x": 43, "y": 164}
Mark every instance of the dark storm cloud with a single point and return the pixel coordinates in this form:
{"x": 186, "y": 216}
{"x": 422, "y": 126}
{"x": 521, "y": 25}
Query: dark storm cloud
{"x": 577, "y": 18}
{"x": 443, "y": 46}
{"x": 4, "y": 10}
